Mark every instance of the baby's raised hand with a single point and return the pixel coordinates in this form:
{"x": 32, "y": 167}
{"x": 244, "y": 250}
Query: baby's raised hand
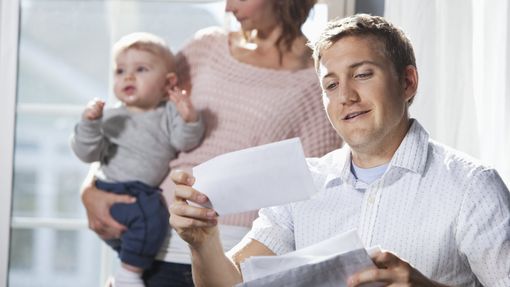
{"x": 94, "y": 110}
{"x": 183, "y": 103}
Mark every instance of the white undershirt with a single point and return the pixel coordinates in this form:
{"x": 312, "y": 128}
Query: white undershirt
{"x": 368, "y": 175}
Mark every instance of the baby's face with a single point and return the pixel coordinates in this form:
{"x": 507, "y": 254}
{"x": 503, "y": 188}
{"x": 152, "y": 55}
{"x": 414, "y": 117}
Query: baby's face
{"x": 140, "y": 79}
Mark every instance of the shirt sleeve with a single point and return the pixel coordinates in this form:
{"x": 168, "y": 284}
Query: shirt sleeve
{"x": 87, "y": 141}
{"x": 183, "y": 136}
{"x": 274, "y": 229}
{"x": 483, "y": 230}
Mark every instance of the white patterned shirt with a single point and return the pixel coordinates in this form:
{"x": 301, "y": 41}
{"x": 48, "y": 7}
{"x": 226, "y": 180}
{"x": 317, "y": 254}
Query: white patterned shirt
{"x": 434, "y": 207}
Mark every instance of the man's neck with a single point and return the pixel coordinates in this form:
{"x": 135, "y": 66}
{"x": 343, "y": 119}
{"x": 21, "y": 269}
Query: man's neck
{"x": 381, "y": 152}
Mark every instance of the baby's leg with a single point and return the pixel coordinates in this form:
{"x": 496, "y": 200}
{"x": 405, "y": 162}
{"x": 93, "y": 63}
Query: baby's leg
{"x": 128, "y": 276}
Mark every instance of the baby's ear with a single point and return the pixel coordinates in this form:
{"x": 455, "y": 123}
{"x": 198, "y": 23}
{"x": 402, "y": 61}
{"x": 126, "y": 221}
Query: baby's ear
{"x": 171, "y": 79}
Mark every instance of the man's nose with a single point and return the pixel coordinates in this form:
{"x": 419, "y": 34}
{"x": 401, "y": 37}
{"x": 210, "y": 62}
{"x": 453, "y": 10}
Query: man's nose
{"x": 347, "y": 95}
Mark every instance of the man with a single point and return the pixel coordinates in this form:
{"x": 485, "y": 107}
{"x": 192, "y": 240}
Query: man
{"x": 446, "y": 215}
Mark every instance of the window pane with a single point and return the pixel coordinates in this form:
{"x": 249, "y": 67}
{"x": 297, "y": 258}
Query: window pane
{"x": 24, "y": 200}
{"x": 22, "y": 250}
{"x": 65, "y": 45}
{"x": 44, "y": 257}
{"x": 47, "y": 175}
{"x": 66, "y": 252}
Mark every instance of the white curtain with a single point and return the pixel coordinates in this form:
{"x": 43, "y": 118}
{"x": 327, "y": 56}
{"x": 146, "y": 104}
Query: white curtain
{"x": 463, "y": 56}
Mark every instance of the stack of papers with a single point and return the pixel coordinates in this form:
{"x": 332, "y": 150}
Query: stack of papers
{"x": 326, "y": 264}
{"x": 249, "y": 179}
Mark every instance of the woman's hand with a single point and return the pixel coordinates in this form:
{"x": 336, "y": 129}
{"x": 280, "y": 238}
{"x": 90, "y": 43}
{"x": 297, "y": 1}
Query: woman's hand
{"x": 392, "y": 271}
{"x": 98, "y": 204}
{"x": 194, "y": 224}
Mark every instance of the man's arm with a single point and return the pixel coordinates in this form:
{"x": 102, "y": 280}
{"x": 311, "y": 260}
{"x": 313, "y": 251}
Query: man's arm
{"x": 198, "y": 227}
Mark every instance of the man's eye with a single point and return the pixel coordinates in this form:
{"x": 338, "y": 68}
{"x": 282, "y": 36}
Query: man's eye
{"x": 363, "y": 75}
{"x": 331, "y": 86}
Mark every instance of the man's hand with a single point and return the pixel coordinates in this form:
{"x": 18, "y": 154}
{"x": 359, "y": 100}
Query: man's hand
{"x": 98, "y": 204}
{"x": 393, "y": 271}
{"x": 183, "y": 103}
{"x": 94, "y": 110}
{"x": 194, "y": 224}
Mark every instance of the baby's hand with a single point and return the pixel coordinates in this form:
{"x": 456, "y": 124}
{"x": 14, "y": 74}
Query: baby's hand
{"x": 94, "y": 110}
{"x": 183, "y": 103}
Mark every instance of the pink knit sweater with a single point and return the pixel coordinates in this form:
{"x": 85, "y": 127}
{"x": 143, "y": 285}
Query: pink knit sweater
{"x": 243, "y": 106}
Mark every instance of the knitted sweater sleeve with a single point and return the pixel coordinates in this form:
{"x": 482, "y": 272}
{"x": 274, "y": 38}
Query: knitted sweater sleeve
{"x": 194, "y": 54}
{"x": 312, "y": 125}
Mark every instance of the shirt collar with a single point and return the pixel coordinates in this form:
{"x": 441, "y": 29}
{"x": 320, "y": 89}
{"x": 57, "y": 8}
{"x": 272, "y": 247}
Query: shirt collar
{"x": 412, "y": 152}
{"x": 410, "y": 155}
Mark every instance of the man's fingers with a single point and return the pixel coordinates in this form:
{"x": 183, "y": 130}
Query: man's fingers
{"x": 185, "y": 210}
{"x": 182, "y": 177}
{"x": 386, "y": 259}
{"x": 370, "y": 276}
{"x": 182, "y": 223}
{"x": 187, "y": 193}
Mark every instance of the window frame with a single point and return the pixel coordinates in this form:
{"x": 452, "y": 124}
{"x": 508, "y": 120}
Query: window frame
{"x": 9, "y": 37}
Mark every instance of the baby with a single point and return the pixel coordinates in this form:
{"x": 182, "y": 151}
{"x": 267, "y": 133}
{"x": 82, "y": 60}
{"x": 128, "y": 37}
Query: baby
{"x": 134, "y": 144}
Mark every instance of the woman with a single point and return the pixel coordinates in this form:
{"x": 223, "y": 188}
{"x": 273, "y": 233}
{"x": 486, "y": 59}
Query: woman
{"x": 253, "y": 87}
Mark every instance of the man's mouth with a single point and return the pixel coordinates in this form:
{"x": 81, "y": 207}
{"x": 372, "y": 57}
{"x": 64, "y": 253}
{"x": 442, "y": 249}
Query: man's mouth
{"x": 355, "y": 114}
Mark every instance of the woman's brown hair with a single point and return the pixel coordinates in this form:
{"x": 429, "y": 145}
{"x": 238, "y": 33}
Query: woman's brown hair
{"x": 291, "y": 14}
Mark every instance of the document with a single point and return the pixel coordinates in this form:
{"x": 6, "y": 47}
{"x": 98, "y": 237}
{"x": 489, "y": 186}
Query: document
{"x": 327, "y": 263}
{"x": 249, "y": 179}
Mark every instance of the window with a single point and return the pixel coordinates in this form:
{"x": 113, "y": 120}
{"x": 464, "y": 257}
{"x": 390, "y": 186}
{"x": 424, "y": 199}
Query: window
{"x": 64, "y": 62}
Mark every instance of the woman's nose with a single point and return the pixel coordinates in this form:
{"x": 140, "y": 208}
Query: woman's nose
{"x": 229, "y": 6}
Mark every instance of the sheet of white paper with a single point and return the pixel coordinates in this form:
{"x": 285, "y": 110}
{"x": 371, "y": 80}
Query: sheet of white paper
{"x": 257, "y": 177}
{"x": 330, "y": 272}
{"x": 260, "y": 266}
{"x": 344, "y": 254}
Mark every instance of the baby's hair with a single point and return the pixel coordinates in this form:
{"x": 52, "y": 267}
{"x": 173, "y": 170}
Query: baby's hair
{"x": 146, "y": 42}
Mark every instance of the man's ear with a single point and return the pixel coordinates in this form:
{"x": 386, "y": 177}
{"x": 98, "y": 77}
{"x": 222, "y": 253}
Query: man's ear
{"x": 410, "y": 82}
{"x": 171, "y": 79}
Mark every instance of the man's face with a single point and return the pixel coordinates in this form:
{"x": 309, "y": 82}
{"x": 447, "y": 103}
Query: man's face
{"x": 363, "y": 96}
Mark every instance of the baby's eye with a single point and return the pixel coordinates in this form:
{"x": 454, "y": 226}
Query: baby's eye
{"x": 141, "y": 69}
{"x": 119, "y": 71}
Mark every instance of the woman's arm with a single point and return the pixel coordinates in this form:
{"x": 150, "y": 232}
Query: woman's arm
{"x": 98, "y": 203}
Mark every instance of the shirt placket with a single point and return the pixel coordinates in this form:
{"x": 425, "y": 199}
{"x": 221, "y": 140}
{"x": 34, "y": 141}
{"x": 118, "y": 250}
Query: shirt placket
{"x": 369, "y": 211}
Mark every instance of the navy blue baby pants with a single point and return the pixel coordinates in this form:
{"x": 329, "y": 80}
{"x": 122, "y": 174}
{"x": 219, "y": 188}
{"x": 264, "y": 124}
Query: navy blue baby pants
{"x": 146, "y": 221}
